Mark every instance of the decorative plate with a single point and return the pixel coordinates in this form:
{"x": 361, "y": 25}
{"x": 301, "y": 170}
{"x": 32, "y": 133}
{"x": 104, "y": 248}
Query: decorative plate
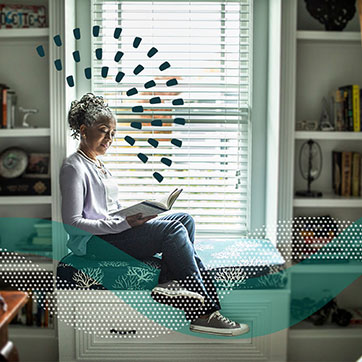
{"x": 13, "y": 162}
{"x": 334, "y": 14}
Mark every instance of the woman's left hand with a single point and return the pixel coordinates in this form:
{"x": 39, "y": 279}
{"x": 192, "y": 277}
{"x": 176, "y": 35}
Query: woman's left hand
{"x": 138, "y": 220}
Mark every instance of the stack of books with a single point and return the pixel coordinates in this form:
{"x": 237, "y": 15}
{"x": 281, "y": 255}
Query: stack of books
{"x": 8, "y": 101}
{"x": 347, "y": 173}
{"x": 44, "y": 234}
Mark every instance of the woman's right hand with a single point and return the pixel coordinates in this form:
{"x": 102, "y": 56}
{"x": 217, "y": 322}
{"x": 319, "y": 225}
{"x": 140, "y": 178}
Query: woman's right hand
{"x": 137, "y": 220}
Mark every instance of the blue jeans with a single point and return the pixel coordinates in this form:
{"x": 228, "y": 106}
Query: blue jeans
{"x": 173, "y": 236}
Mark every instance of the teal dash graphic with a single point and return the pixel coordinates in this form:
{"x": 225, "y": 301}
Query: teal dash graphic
{"x": 118, "y": 77}
{"x": 137, "y": 125}
{"x": 96, "y": 29}
{"x": 171, "y": 82}
{"x": 117, "y": 33}
{"x": 118, "y": 56}
{"x": 137, "y": 42}
{"x": 150, "y": 84}
{"x": 156, "y": 123}
{"x": 132, "y": 92}
{"x": 138, "y": 69}
{"x": 58, "y": 40}
{"x": 76, "y": 56}
{"x": 142, "y": 157}
{"x": 76, "y": 33}
{"x": 153, "y": 142}
{"x": 158, "y": 176}
{"x": 40, "y": 51}
{"x": 58, "y": 64}
{"x": 152, "y": 52}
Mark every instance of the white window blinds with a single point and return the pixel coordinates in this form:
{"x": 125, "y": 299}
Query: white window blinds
{"x": 196, "y": 133}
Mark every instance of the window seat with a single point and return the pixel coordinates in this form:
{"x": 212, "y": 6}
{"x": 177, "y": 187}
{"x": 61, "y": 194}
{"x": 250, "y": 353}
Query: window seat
{"x": 236, "y": 264}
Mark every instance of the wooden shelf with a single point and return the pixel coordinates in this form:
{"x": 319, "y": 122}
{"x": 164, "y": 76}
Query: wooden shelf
{"x": 34, "y": 265}
{"x": 329, "y": 200}
{"x": 342, "y": 268}
{"x": 320, "y": 135}
{"x": 329, "y": 36}
{"x": 17, "y": 330}
{"x": 25, "y": 132}
{"x": 25, "y": 200}
{"x": 308, "y": 330}
{"x": 24, "y": 33}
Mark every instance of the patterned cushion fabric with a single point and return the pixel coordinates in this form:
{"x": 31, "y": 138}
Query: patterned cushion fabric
{"x": 236, "y": 264}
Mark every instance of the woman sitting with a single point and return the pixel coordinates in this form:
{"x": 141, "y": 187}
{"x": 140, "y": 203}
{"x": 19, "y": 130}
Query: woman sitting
{"x": 89, "y": 199}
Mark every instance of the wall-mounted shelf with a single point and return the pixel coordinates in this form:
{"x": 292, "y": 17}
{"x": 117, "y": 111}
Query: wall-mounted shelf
{"x": 24, "y": 33}
{"x": 37, "y": 265}
{"x": 320, "y": 135}
{"x": 25, "y": 200}
{"x": 341, "y": 268}
{"x": 23, "y": 331}
{"x": 307, "y": 330}
{"x": 329, "y": 35}
{"x": 329, "y": 200}
{"x": 25, "y": 132}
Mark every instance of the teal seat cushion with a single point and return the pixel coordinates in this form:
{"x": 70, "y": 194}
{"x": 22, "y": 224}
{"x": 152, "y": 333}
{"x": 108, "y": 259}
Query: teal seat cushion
{"x": 235, "y": 263}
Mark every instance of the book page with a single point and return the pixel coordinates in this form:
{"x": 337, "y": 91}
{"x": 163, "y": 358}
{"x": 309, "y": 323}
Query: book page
{"x": 146, "y": 208}
{"x": 172, "y": 198}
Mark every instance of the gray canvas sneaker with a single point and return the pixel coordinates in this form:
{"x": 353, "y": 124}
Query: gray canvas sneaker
{"x": 216, "y": 323}
{"x": 172, "y": 293}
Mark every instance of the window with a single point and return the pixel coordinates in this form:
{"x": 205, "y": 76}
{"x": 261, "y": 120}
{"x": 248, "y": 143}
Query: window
{"x": 208, "y": 46}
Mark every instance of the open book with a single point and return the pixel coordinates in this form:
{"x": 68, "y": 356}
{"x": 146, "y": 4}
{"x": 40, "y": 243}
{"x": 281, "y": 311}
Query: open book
{"x": 150, "y": 207}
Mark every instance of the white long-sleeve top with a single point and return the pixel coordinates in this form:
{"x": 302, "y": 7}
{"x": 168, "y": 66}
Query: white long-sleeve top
{"x": 84, "y": 203}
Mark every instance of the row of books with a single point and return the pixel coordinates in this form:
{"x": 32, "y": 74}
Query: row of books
{"x": 8, "y": 101}
{"x": 347, "y": 173}
{"x": 33, "y": 313}
{"x": 44, "y": 235}
{"x": 347, "y": 108}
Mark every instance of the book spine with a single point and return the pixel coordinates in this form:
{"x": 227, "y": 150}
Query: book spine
{"x": 9, "y": 108}
{"x": 29, "y": 310}
{"x": 348, "y": 106}
{"x": 4, "y": 121}
{"x": 346, "y": 173}
{"x": 360, "y": 178}
{"x": 356, "y": 173}
{"x": 338, "y": 110}
{"x": 356, "y": 108}
{"x": 2, "y": 86}
{"x": 360, "y": 108}
{"x": 336, "y": 169}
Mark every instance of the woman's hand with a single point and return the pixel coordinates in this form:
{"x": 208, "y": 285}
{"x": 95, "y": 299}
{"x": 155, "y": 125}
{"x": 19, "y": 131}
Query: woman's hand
{"x": 137, "y": 220}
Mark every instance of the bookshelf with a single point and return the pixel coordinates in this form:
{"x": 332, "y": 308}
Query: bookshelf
{"x": 328, "y": 201}
{"x": 316, "y": 62}
{"x": 332, "y": 136}
{"x": 25, "y": 132}
{"x": 24, "y": 33}
{"x": 25, "y": 200}
{"x": 330, "y": 36}
{"x": 37, "y": 85}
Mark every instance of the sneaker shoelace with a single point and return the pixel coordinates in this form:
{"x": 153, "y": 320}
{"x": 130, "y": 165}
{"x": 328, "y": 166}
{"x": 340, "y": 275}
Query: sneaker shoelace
{"x": 219, "y": 316}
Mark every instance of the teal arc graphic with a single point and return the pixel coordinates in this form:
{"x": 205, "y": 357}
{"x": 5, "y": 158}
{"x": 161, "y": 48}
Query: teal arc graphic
{"x": 308, "y": 286}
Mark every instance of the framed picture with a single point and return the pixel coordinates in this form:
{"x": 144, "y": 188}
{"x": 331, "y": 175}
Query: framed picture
{"x": 38, "y": 165}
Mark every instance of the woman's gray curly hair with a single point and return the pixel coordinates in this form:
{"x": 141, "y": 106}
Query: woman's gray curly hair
{"x": 86, "y": 111}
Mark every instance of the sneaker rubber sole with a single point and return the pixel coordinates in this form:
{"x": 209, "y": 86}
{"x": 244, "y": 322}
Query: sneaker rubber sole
{"x": 178, "y": 299}
{"x": 220, "y": 331}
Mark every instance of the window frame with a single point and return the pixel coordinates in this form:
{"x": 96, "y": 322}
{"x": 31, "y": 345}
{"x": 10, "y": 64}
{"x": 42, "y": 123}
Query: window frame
{"x": 258, "y": 106}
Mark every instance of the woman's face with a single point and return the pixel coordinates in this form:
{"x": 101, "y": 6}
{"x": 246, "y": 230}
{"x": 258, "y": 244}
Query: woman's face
{"x": 96, "y": 139}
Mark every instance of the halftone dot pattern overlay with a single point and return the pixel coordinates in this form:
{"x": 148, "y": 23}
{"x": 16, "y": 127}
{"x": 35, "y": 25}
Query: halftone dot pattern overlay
{"x": 122, "y": 308}
{"x": 137, "y": 44}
